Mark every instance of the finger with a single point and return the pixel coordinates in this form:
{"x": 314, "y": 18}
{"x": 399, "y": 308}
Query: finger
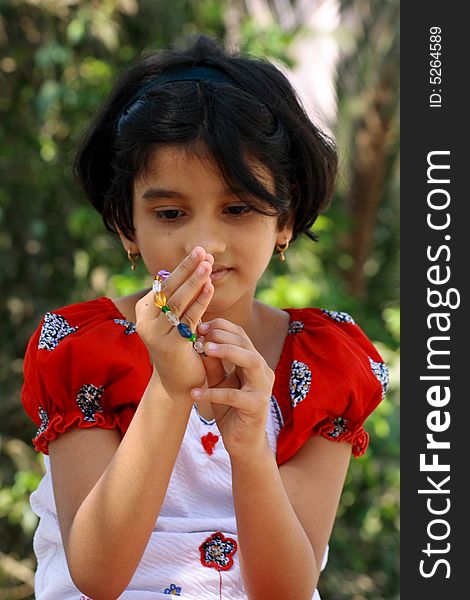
{"x": 251, "y": 362}
{"x": 224, "y": 325}
{"x": 253, "y": 403}
{"x": 225, "y": 337}
{"x": 189, "y": 290}
{"x": 194, "y": 313}
{"x": 227, "y": 396}
{"x": 184, "y": 270}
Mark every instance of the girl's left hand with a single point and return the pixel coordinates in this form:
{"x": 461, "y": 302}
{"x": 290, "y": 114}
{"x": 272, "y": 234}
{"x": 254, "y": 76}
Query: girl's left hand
{"x": 240, "y": 400}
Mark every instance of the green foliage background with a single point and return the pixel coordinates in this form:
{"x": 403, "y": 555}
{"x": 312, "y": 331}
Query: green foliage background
{"x": 57, "y": 62}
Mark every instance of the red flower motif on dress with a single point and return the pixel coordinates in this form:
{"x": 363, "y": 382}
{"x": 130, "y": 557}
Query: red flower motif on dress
{"x": 209, "y": 441}
{"x": 217, "y": 552}
{"x": 360, "y": 443}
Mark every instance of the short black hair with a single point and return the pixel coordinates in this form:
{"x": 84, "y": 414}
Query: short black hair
{"x": 259, "y": 117}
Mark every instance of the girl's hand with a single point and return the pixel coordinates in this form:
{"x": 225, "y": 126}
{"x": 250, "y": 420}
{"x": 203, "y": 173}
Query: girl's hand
{"x": 189, "y": 291}
{"x": 240, "y": 402}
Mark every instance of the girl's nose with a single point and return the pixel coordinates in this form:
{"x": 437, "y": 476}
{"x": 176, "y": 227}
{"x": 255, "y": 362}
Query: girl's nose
{"x": 211, "y": 238}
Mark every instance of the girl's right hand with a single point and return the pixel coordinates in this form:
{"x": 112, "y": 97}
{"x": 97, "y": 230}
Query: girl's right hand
{"x": 189, "y": 291}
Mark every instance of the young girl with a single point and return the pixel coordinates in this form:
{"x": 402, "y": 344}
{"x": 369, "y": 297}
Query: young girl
{"x": 196, "y": 440}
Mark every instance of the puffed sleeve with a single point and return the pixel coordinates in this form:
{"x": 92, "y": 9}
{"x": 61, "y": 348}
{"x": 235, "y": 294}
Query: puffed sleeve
{"x": 329, "y": 380}
{"x": 83, "y": 366}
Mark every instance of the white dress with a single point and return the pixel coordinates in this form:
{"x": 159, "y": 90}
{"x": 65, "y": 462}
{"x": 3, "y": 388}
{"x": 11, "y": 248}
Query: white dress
{"x": 197, "y": 505}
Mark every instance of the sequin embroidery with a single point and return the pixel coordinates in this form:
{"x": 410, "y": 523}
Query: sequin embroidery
{"x": 53, "y": 330}
{"x": 299, "y": 383}
{"x": 341, "y": 317}
{"x": 381, "y": 371}
{"x": 217, "y": 552}
{"x": 88, "y": 400}
{"x": 129, "y": 325}
{"x": 295, "y": 327}
{"x": 44, "y": 421}
{"x": 339, "y": 427}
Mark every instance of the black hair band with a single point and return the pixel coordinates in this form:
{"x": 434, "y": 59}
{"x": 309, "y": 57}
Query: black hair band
{"x": 188, "y": 74}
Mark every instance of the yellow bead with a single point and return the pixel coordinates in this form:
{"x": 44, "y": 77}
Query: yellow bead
{"x": 159, "y": 299}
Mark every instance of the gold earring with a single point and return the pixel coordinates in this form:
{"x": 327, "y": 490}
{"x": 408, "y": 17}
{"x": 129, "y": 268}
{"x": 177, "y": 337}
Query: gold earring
{"x": 281, "y": 249}
{"x": 133, "y": 257}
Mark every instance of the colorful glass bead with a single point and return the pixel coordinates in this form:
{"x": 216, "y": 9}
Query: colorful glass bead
{"x": 173, "y": 318}
{"x": 157, "y": 285}
{"x": 160, "y": 299}
{"x": 193, "y": 337}
{"x": 165, "y": 309}
{"x": 199, "y": 347}
{"x": 163, "y": 274}
{"x": 185, "y": 331}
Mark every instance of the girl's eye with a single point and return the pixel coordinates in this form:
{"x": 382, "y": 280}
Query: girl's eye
{"x": 240, "y": 211}
{"x": 168, "y": 215}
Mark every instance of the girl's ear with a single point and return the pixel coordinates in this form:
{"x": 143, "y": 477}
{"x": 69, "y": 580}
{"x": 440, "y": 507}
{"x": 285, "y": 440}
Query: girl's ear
{"x": 285, "y": 234}
{"x": 127, "y": 244}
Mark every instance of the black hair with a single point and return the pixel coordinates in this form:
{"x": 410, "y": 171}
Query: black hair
{"x": 259, "y": 117}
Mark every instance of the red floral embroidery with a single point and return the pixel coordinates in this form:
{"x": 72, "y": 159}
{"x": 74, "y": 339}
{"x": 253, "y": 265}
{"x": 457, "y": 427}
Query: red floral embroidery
{"x": 360, "y": 443}
{"x": 209, "y": 441}
{"x": 217, "y": 552}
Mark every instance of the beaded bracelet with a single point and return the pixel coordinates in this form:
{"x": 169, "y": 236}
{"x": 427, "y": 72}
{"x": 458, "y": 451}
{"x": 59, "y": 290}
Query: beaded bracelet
{"x": 160, "y": 301}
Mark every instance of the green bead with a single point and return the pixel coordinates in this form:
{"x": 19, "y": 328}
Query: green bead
{"x": 193, "y": 338}
{"x": 165, "y": 309}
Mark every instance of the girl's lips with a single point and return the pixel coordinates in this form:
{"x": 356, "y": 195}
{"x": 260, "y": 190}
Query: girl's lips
{"x": 217, "y": 275}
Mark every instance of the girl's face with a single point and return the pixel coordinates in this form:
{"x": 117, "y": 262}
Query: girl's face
{"x": 181, "y": 202}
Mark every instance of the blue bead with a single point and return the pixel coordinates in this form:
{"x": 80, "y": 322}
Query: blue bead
{"x": 185, "y": 330}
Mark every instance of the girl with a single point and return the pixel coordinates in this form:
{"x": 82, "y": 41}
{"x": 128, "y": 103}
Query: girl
{"x": 197, "y": 440}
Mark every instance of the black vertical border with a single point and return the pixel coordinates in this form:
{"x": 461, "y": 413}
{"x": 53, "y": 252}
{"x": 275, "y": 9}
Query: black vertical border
{"x": 425, "y": 129}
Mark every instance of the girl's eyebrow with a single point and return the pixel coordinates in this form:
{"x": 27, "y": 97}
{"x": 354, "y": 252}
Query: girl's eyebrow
{"x": 156, "y": 192}
{"x": 153, "y": 193}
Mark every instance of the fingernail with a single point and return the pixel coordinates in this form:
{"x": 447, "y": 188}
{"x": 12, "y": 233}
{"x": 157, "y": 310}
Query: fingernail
{"x": 211, "y": 346}
{"x": 194, "y": 253}
{"x": 203, "y": 327}
{"x": 196, "y": 393}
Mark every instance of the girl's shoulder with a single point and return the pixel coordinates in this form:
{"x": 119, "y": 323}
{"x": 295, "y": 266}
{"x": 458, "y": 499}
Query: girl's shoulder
{"x": 328, "y": 381}
{"x": 84, "y": 365}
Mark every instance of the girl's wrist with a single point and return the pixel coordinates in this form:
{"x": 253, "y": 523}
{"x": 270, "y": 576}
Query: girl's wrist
{"x": 253, "y": 455}
{"x": 156, "y": 388}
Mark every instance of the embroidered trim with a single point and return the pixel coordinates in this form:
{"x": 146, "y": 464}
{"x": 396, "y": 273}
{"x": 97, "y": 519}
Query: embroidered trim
{"x": 217, "y": 552}
{"x": 202, "y": 418}
{"x": 129, "y": 325}
{"x": 53, "y": 330}
{"x": 209, "y": 441}
{"x": 173, "y": 590}
{"x": 340, "y": 316}
{"x": 381, "y": 371}
{"x": 299, "y": 382}
{"x": 88, "y": 400}
{"x": 276, "y": 412}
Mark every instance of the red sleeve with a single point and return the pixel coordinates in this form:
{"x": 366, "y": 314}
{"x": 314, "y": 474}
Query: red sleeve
{"x": 83, "y": 366}
{"x": 329, "y": 380}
